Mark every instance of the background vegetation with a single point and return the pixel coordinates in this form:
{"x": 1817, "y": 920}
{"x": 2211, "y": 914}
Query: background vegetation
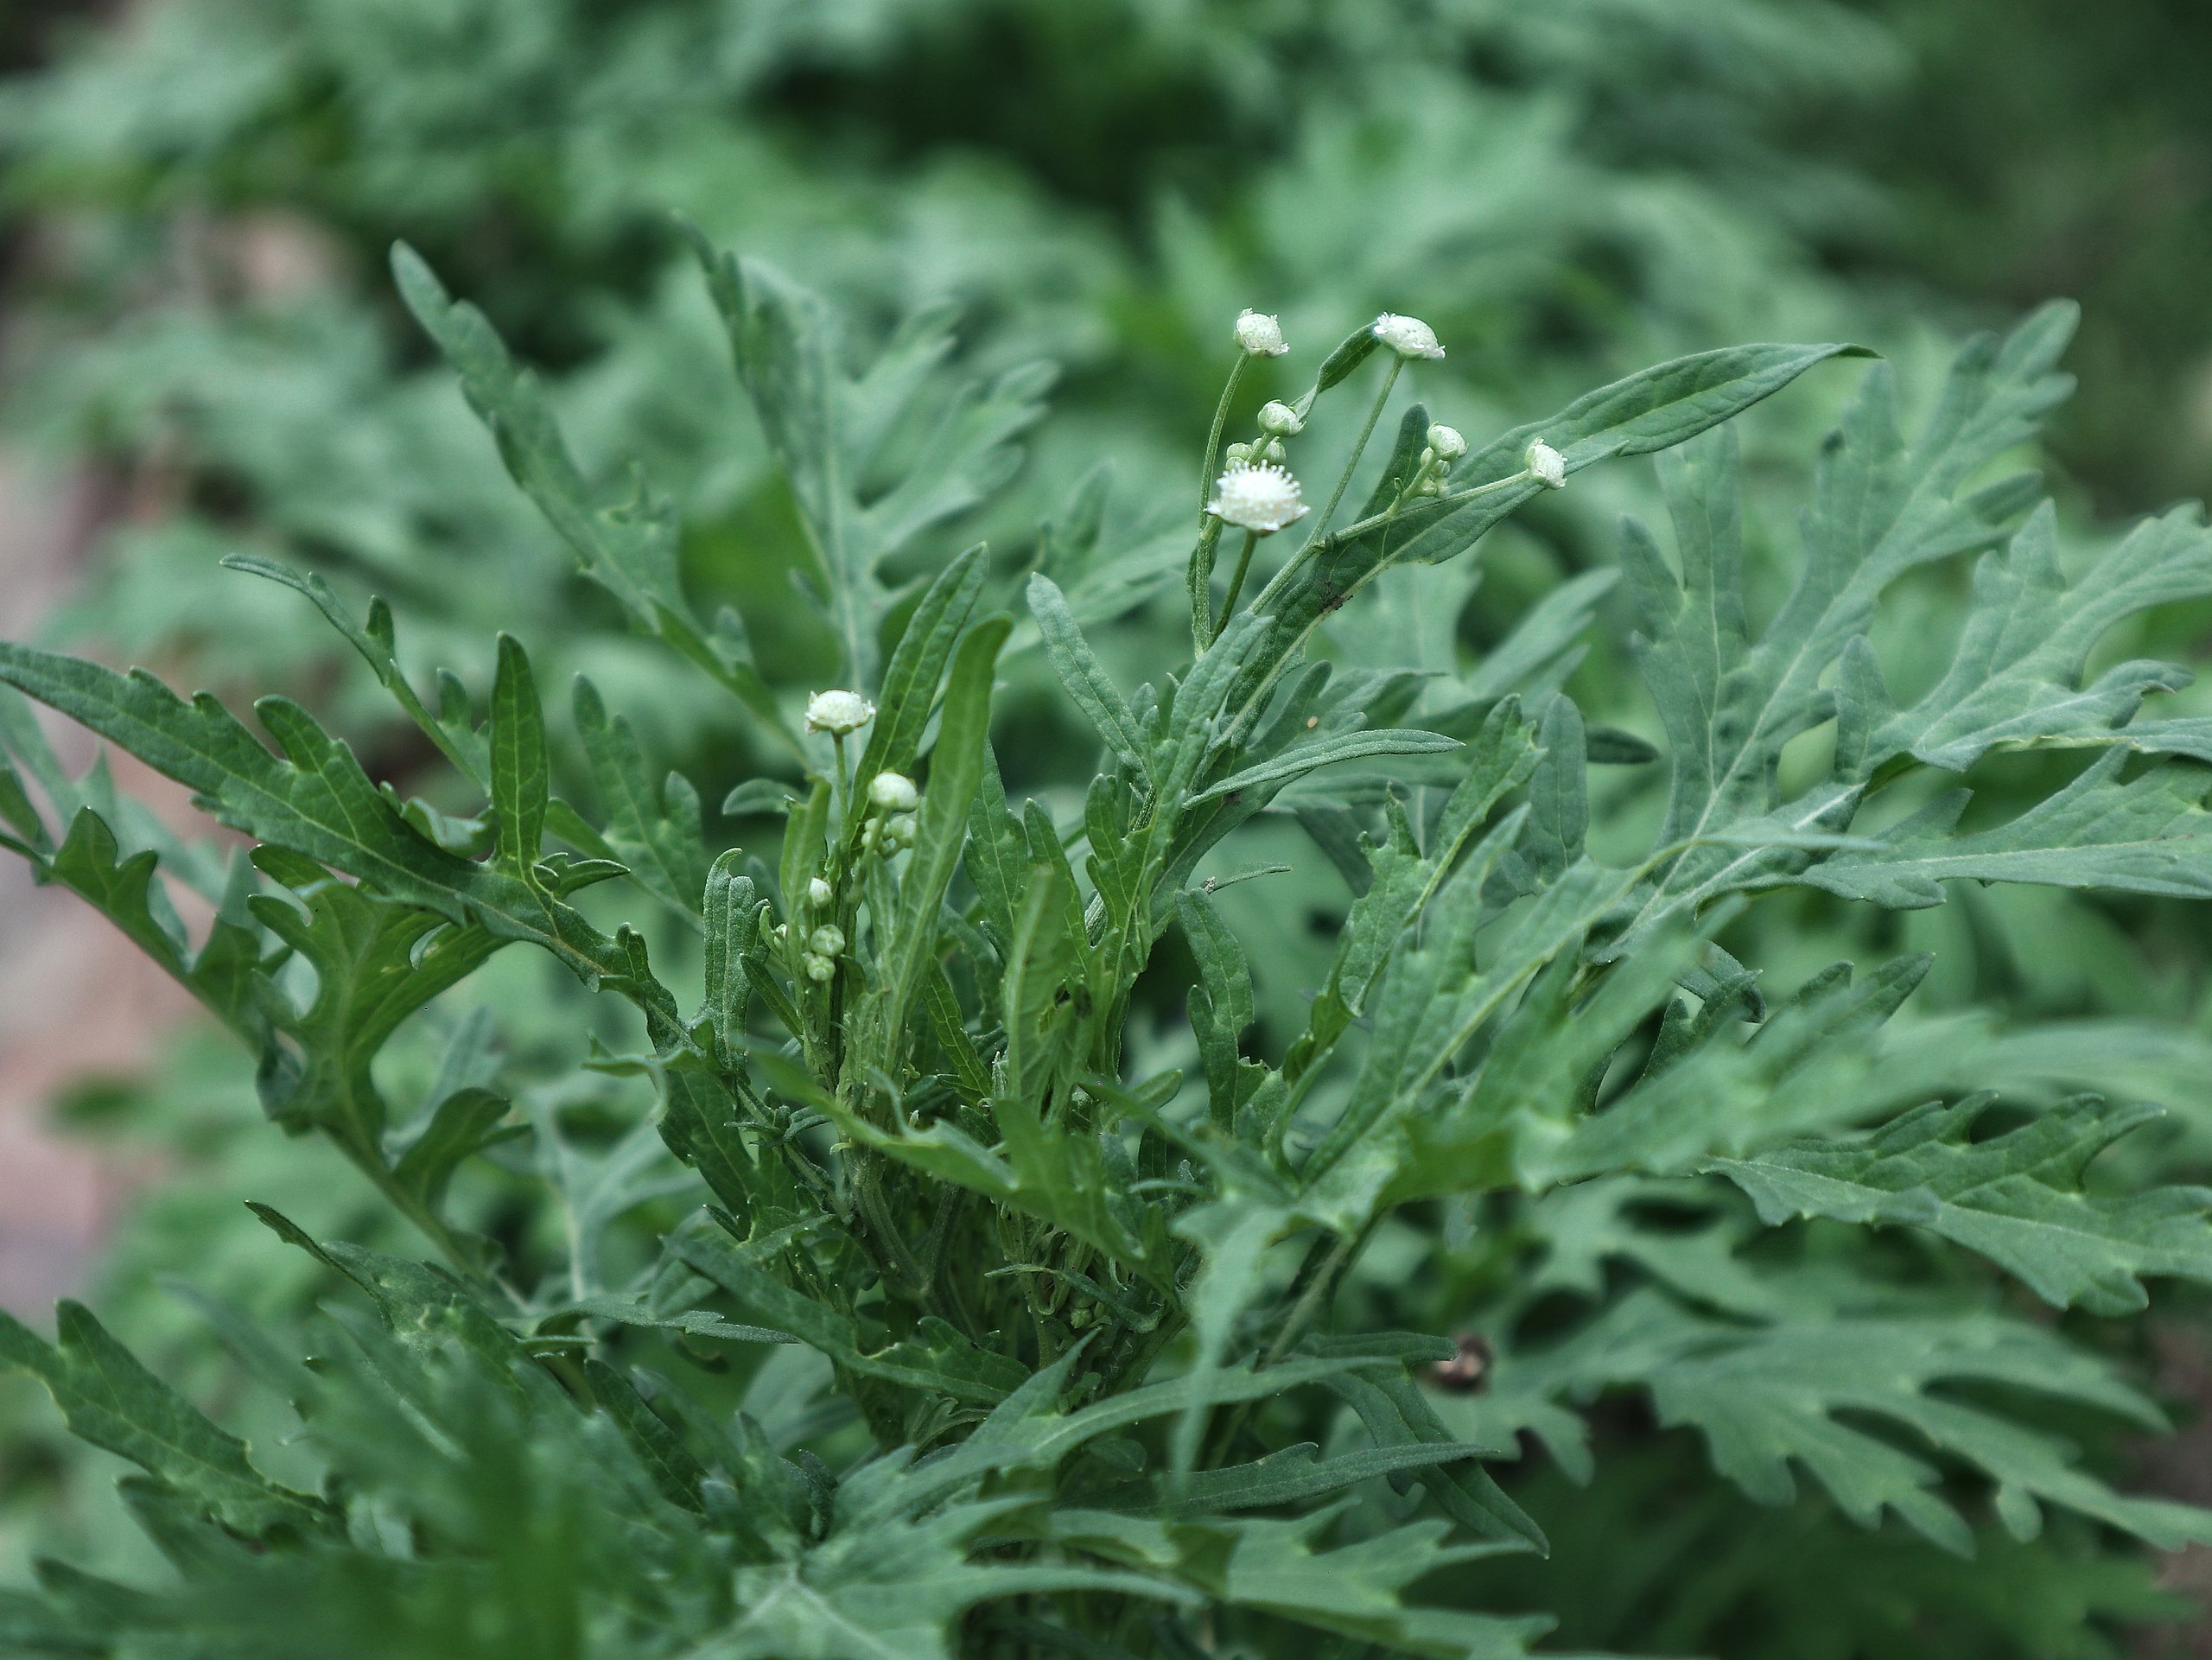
{"x": 201, "y": 198}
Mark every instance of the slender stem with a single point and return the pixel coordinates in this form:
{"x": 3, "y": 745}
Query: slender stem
{"x": 1344, "y": 479}
{"x": 1316, "y": 538}
{"x": 1237, "y": 581}
{"x": 1200, "y": 575}
{"x": 1213, "y": 439}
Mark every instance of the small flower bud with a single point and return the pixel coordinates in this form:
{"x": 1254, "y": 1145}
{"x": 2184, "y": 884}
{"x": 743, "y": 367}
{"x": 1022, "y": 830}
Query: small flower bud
{"x": 1238, "y": 454}
{"x": 868, "y": 832}
{"x": 818, "y": 968}
{"x": 1260, "y": 335}
{"x": 819, "y": 893}
{"x": 1262, "y": 499}
{"x": 838, "y": 712}
{"x": 894, "y": 790}
{"x": 1410, "y": 337}
{"x": 826, "y": 940}
{"x": 1547, "y": 466}
{"x": 1273, "y": 451}
{"x": 1279, "y": 420}
{"x": 782, "y": 931}
{"x": 899, "y": 830}
{"x": 1446, "y": 443}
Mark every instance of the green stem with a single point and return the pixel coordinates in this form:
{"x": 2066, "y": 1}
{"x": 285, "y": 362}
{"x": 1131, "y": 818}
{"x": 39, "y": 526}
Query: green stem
{"x": 1199, "y": 578}
{"x": 1236, "y": 581}
{"x": 1315, "y": 538}
{"x": 1344, "y": 479}
{"x": 1211, "y": 468}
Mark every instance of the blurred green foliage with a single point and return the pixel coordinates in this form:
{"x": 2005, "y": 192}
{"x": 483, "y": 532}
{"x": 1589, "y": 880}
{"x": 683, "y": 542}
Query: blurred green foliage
{"x": 199, "y": 205}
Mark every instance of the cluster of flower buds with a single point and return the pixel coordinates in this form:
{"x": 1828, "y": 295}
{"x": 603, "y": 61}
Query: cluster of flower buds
{"x": 892, "y": 826}
{"x": 820, "y": 958}
{"x": 1445, "y": 447}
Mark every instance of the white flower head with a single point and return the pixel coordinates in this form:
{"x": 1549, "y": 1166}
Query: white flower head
{"x": 819, "y": 893}
{"x": 894, "y": 790}
{"x": 1279, "y": 420}
{"x": 838, "y": 712}
{"x": 1446, "y": 443}
{"x": 1262, "y": 499}
{"x": 1547, "y": 466}
{"x": 1410, "y": 337}
{"x": 1259, "y": 334}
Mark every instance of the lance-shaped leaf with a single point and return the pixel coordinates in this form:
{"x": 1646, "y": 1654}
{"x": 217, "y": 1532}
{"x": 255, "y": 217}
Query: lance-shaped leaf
{"x": 1305, "y": 758}
{"x": 2016, "y": 1199}
{"x": 1085, "y": 678}
{"x": 910, "y": 683}
{"x": 955, "y": 775}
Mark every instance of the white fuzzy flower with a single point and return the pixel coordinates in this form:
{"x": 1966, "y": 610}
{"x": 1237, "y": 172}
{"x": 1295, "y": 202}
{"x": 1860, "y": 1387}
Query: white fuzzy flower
{"x": 838, "y": 712}
{"x": 1262, "y": 499}
{"x": 894, "y": 790}
{"x": 1446, "y": 443}
{"x": 1279, "y": 420}
{"x": 1410, "y": 337}
{"x": 1260, "y": 335}
{"x": 1547, "y": 466}
{"x": 819, "y": 893}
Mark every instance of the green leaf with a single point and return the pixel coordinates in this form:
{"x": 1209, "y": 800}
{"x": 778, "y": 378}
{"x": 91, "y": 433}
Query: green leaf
{"x": 1086, "y": 679}
{"x": 2016, "y": 677}
{"x": 624, "y": 543}
{"x": 1302, "y": 759}
{"x": 2016, "y": 1199}
{"x": 830, "y": 433}
{"x": 910, "y": 683}
{"x": 316, "y": 801}
{"x": 2148, "y": 835}
{"x": 464, "y": 1124}
{"x": 1811, "y": 1392}
{"x": 521, "y": 774}
{"x": 1273, "y": 1567}
{"x": 376, "y": 962}
{"x": 956, "y": 773}
{"x": 112, "y": 1401}
{"x": 1881, "y": 507}
{"x": 655, "y": 833}
{"x": 937, "y": 1360}
{"x": 378, "y": 644}
{"x": 732, "y": 914}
